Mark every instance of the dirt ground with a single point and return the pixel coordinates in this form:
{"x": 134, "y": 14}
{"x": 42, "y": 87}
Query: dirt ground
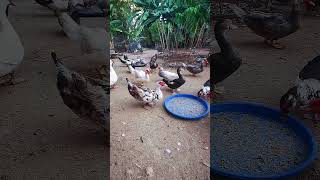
{"x": 40, "y": 138}
{"x": 266, "y": 74}
{"x": 140, "y": 137}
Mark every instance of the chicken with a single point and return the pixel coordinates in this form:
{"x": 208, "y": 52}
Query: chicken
{"x": 86, "y": 99}
{"x": 147, "y": 96}
{"x": 167, "y": 75}
{"x": 91, "y": 40}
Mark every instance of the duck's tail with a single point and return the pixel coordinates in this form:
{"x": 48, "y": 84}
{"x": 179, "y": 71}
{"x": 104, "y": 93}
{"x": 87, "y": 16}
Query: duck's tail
{"x": 237, "y": 10}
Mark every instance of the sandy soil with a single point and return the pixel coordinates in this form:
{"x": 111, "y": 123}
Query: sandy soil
{"x": 40, "y": 138}
{"x": 266, "y": 74}
{"x": 140, "y": 138}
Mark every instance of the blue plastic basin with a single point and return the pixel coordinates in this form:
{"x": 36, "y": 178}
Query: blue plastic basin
{"x": 262, "y": 111}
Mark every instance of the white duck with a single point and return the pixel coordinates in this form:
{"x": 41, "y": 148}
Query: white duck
{"x": 167, "y": 74}
{"x": 92, "y": 40}
{"x": 12, "y": 51}
{"x": 140, "y": 75}
{"x": 113, "y": 74}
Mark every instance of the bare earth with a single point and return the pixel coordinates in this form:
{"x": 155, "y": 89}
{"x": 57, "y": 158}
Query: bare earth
{"x": 266, "y": 74}
{"x": 40, "y": 138}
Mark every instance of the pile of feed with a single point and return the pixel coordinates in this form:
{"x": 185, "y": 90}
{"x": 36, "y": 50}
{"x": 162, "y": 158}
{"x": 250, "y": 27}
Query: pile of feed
{"x": 186, "y": 107}
{"x": 249, "y": 145}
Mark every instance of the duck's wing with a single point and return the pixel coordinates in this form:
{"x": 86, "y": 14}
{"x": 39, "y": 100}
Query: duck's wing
{"x": 311, "y": 70}
{"x": 135, "y": 91}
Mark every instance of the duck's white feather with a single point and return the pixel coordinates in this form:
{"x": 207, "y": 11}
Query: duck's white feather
{"x": 308, "y": 89}
{"x": 91, "y": 40}
{"x": 113, "y": 75}
{"x": 12, "y": 51}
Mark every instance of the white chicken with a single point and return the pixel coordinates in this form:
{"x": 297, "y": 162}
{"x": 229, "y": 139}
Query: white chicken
{"x": 113, "y": 75}
{"x": 92, "y": 40}
{"x": 167, "y": 74}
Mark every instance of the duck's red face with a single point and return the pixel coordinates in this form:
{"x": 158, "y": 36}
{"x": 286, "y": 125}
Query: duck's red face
{"x": 161, "y": 83}
{"x": 206, "y": 62}
{"x": 148, "y": 71}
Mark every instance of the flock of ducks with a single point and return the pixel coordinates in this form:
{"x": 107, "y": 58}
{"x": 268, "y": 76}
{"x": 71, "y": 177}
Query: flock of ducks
{"x": 304, "y": 97}
{"x": 86, "y": 97}
{"x": 172, "y": 80}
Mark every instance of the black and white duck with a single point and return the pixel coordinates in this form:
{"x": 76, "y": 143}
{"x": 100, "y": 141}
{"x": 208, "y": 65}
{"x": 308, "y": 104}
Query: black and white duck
{"x": 271, "y": 26}
{"x": 138, "y": 62}
{"x": 202, "y": 59}
{"x": 205, "y": 92}
{"x": 175, "y": 84}
{"x": 227, "y": 61}
{"x": 306, "y": 89}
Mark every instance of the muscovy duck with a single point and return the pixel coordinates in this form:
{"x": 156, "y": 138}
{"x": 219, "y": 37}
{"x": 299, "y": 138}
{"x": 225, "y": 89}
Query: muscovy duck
{"x": 226, "y": 62}
{"x": 12, "y": 50}
{"x": 175, "y": 84}
{"x": 146, "y": 95}
{"x": 87, "y": 99}
{"x": 271, "y": 26}
{"x": 152, "y": 63}
{"x": 203, "y": 60}
{"x": 140, "y": 75}
{"x": 139, "y": 62}
{"x": 113, "y": 75}
{"x": 205, "y": 92}
{"x": 195, "y": 68}
{"x": 167, "y": 74}
{"x": 306, "y": 89}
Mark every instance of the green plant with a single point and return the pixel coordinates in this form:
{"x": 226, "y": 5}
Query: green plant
{"x": 171, "y": 23}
